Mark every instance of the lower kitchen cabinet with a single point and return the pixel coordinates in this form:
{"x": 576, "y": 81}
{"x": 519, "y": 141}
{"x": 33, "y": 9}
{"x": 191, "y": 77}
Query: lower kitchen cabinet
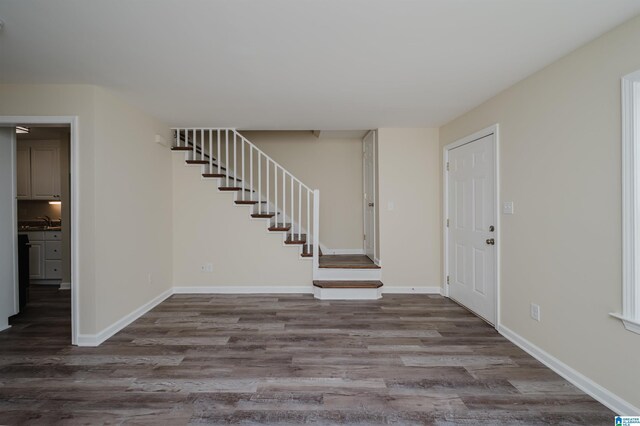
{"x": 45, "y": 255}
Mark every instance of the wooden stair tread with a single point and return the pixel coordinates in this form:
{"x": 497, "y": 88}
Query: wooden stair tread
{"x": 248, "y": 202}
{"x": 280, "y": 227}
{"x": 220, "y": 175}
{"x": 233, "y": 188}
{"x": 263, "y": 215}
{"x": 197, "y": 161}
{"x": 347, "y": 284}
{"x": 294, "y": 239}
{"x": 347, "y": 261}
{"x": 181, "y": 148}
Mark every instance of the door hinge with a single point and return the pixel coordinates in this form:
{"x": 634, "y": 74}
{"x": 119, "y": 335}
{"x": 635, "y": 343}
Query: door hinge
{"x": 447, "y": 223}
{"x": 447, "y": 166}
{"x": 447, "y": 279}
{"x": 364, "y": 237}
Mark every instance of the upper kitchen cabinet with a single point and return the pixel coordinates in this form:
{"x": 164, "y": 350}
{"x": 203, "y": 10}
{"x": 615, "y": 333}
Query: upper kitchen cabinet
{"x": 38, "y": 174}
{"x": 23, "y": 161}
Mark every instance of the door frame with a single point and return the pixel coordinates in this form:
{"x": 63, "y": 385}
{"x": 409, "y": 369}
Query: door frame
{"x": 375, "y": 201}
{"x": 491, "y": 130}
{"x": 74, "y": 196}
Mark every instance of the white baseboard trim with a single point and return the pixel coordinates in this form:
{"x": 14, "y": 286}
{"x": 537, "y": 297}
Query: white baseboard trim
{"x": 97, "y": 339}
{"x": 65, "y": 286}
{"x": 342, "y": 251}
{"x": 410, "y": 290}
{"x": 5, "y": 325}
{"x": 588, "y": 386}
{"x": 244, "y": 289}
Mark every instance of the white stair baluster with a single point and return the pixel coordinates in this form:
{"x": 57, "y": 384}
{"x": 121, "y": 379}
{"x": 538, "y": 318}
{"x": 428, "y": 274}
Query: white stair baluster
{"x": 308, "y": 220}
{"x": 259, "y": 184}
{"x": 210, "y": 151}
{"x": 242, "y": 147}
{"x": 251, "y": 171}
{"x": 218, "y": 157}
{"x": 284, "y": 195}
{"x": 267, "y": 177}
{"x": 226, "y": 152}
{"x": 275, "y": 187}
{"x": 299, "y": 209}
{"x": 201, "y": 144}
{"x": 194, "y": 154}
{"x": 235, "y": 163}
{"x": 293, "y": 213}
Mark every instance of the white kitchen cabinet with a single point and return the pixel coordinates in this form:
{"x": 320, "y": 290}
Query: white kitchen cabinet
{"x": 53, "y": 250}
{"x": 53, "y": 269}
{"x": 38, "y": 170}
{"x": 36, "y": 260}
{"x": 45, "y": 256}
{"x": 23, "y": 172}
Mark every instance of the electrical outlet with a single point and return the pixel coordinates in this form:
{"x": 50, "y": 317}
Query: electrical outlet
{"x": 207, "y": 267}
{"x": 535, "y": 312}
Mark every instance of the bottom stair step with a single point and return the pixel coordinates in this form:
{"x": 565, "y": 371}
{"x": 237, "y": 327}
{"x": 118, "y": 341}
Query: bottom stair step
{"x": 347, "y": 284}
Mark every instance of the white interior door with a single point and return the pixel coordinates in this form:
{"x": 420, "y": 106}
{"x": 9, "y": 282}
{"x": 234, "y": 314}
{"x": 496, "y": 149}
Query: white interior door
{"x": 8, "y": 226}
{"x": 471, "y": 231}
{"x": 369, "y": 157}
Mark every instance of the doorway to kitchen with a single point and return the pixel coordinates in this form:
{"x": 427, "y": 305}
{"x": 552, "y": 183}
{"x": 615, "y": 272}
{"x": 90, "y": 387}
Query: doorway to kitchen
{"x": 40, "y": 227}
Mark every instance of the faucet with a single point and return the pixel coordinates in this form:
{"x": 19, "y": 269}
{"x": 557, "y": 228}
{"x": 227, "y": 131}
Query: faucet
{"x": 46, "y": 219}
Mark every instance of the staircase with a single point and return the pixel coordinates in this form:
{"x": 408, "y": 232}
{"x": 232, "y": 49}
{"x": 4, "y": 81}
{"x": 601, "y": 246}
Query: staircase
{"x": 287, "y": 205}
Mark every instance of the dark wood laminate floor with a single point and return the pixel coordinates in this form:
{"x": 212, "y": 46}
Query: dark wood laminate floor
{"x": 281, "y": 359}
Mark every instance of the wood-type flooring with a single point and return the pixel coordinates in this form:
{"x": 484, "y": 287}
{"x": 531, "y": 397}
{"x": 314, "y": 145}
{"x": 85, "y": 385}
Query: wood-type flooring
{"x": 281, "y": 359}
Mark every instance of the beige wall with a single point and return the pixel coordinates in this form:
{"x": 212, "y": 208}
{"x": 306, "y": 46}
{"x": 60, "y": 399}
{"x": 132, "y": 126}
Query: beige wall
{"x": 209, "y": 228}
{"x": 409, "y": 236}
{"x": 560, "y": 162}
{"x": 334, "y": 166}
{"x": 121, "y": 175}
{"x": 133, "y": 206}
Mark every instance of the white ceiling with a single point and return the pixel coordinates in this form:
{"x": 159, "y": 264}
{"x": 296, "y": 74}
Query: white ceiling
{"x": 297, "y": 64}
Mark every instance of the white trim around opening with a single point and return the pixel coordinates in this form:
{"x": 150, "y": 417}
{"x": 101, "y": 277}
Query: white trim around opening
{"x": 630, "y": 315}
{"x": 72, "y": 121}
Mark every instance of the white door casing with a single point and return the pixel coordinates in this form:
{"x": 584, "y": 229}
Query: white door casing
{"x": 74, "y": 164}
{"x": 8, "y": 227}
{"x": 368, "y": 170}
{"x": 471, "y": 213}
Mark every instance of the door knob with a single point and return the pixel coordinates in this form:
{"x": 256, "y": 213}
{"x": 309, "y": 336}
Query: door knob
{"x": 491, "y": 242}
{"x": 370, "y": 204}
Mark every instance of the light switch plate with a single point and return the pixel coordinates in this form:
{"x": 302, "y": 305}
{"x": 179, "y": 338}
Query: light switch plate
{"x": 391, "y": 205}
{"x": 507, "y": 207}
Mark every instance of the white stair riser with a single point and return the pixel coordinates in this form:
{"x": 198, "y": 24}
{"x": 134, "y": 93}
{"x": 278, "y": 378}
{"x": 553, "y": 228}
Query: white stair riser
{"x": 347, "y": 293}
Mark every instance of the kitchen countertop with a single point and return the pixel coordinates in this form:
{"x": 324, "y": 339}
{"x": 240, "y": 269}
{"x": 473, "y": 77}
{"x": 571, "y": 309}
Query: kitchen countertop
{"x": 40, "y": 229}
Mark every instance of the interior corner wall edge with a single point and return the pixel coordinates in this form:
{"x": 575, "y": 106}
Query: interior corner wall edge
{"x": 560, "y": 163}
